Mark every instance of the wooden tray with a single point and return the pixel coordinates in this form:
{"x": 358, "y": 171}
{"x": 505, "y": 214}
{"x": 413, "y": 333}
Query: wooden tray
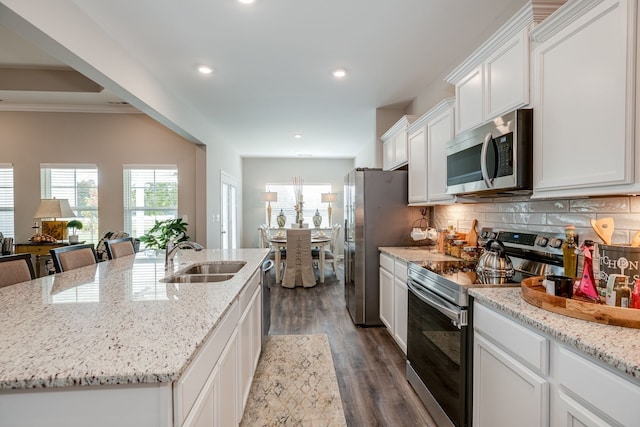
{"x": 534, "y": 293}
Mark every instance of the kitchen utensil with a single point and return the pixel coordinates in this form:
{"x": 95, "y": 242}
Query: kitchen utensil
{"x": 494, "y": 266}
{"x": 472, "y": 235}
{"x": 635, "y": 242}
{"x": 603, "y": 228}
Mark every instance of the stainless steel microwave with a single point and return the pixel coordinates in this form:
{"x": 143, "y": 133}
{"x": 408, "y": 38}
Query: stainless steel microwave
{"x": 494, "y": 159}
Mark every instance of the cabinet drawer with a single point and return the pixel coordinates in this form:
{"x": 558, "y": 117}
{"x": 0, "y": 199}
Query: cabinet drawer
{"x": 386, "y": 262}
{"x": 249, "y": 289}
{"x": 611, "y": 394}
{"x": 400, "y": 271}
{"x": 525, "y": 345}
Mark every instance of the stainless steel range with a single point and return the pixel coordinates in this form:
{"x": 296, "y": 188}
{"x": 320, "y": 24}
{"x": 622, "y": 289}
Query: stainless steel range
{"x": 440, "y": 335}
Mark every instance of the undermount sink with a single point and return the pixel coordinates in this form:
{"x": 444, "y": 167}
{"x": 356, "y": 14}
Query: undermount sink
{"x": 216, "y": 267}
{"x": 197, "y": 278}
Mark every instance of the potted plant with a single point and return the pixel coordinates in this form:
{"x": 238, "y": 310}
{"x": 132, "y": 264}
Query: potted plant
{"x": 163, "y": 231}
{"x": 74, "y": 225}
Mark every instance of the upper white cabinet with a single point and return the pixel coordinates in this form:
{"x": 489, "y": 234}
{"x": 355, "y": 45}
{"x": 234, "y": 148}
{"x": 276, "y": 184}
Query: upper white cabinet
{"x": 428, "y": 137}
{"x": 394, "y": 143}
{"x": 584, "y": 93}
{"x": 495, "y": 78}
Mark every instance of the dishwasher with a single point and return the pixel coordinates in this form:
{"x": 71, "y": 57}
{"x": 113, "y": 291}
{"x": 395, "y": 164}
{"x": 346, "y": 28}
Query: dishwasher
{"x": 267, "y": 266}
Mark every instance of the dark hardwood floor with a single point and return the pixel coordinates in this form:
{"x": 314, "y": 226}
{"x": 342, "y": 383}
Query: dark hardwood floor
{"x": 370, "y": 367}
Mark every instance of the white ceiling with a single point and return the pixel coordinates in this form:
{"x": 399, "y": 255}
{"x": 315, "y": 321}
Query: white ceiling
{"x": 273, "y": 62}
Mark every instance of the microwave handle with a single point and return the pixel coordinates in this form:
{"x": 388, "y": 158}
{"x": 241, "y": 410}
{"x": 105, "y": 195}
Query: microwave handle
{"x": 483, "y": 160}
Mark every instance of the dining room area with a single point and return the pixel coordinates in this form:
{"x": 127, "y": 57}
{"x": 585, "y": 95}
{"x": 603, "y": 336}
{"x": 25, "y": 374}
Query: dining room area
{"x": 295, "y": 208}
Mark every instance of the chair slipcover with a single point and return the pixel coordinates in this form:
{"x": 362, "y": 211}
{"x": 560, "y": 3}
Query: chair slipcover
{"x": 299, "y": 267}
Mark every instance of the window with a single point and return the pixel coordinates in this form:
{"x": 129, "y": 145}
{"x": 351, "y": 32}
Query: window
{"x": 78, "y": 184}
{"x": 150, "y": 195}
{"x": 6, "y": 201}
{"x": 311, "y": 201}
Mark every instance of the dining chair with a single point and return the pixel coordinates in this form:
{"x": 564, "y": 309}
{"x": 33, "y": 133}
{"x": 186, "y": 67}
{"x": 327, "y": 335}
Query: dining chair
{"x": 330, "y": 255}
{"x": 16, "y": 269}
{"x": 299, "y": 266}
{"x": 117, "y": 248}
{"x": 73, "y": 256}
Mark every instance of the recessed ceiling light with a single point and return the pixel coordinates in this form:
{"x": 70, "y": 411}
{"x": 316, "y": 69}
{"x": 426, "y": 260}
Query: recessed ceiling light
{"x": 247, "y": 1}
{"x": 205, "y": 70}
{"x": 297, "y": 136}
{"x": 339, "y": 73}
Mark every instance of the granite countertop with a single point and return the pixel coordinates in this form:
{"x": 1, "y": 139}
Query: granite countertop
{"x": 416, "y": 253}
{"x": 113, "y": 322}
{"x": 616, "y": 346}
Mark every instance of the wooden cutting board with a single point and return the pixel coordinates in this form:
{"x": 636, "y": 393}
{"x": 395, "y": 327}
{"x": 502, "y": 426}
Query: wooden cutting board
{"x": 472, "y": 235}
{"x": 603, "y": 228}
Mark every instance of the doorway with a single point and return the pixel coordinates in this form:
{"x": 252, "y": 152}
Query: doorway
{"x": 228, "y": 211}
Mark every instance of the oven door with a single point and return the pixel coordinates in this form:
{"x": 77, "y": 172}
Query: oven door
{"x": 438, "y": 353}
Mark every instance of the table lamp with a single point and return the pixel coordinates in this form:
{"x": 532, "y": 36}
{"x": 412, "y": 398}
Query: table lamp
{"x": 328, "y": 198}
{"x": 269, "y": 196}
{"x": 54, "y": 208}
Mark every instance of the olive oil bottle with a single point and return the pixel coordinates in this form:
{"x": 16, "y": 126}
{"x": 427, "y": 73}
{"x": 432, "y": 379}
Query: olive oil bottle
{"x": 569, "y": 252}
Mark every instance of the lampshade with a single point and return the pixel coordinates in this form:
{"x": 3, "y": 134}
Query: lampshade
{"x": 329, "y": 197}
{"x": 54, "y": 208}
{"x": 269, "y": 196}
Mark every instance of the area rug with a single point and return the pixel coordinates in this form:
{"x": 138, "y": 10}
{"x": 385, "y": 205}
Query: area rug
{"x": 295, "y": 384}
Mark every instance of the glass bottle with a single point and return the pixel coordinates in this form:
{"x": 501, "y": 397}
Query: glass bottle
{"x": 569, "y": 253}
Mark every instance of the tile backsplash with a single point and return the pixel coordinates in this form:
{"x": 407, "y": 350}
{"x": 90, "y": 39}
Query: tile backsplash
{"x": 522, "y": 213}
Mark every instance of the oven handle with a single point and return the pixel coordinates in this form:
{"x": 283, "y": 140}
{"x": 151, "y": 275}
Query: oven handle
{"x": 457, "y": 316}
{"x": 483, "y": 160}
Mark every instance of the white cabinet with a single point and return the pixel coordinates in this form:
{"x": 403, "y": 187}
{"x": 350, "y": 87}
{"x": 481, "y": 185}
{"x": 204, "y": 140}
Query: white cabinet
{"x": 428, "y": 137}
{"x": 505, "y": 390}
{"x": 495, "y": 78}
{"x": 400, "y": 305}
{"x": 584, "y": 94}
{"x": 394, "y": 143}
{"x": 523, "y": 377}
{"x": 394, "y": 296}
{"x": 250, "y": 338}
{"x": 386, "y": 291}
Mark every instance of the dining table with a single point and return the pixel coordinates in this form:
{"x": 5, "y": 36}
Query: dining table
{"x": 318, "y": 240}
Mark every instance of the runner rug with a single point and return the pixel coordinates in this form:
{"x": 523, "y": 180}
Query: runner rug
{"x": 295, "y": 384}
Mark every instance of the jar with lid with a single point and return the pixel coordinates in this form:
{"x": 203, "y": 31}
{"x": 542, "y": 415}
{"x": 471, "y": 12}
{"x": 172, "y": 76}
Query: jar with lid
{"x": 569, "y": 251}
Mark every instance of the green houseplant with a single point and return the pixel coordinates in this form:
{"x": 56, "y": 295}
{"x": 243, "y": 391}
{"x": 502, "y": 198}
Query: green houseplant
{"x": 163, "y": 231}
{"x": 74, "y": 225}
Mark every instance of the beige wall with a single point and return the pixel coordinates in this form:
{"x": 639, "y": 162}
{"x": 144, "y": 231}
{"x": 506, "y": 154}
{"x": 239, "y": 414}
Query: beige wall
{"x": 258, "y": 172}
{"x": 108, "y": 140}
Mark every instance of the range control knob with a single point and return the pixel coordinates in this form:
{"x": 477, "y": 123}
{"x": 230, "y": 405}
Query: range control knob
{"x": 555, "y": 242}
{"x": 542, "y": 241}
{"x": 493, "y": 235}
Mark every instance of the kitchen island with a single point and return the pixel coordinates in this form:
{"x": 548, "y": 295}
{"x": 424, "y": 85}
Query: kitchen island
{"x": 561, "y": 370}
{"x": 112, "y": 336}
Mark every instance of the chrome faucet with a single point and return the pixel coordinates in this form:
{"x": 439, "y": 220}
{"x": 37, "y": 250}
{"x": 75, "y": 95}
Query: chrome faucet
{"x": 172, "y": 248}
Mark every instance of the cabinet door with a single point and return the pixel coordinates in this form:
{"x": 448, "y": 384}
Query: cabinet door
{"x": 386, "y": 299}
{"x": 584, "y": 102}
{"x": 572, "y": 414}
{"x": 249, "y": 343}
{"x": 227, "y": 399}
{"x": 507, "y": 76}
{"x": 388, "y": 154}
{"x": 469, "y": 95}
{"x": 418, "y": 166}
{"x": 439, "y": 133}
{"x": 505, "y": 392}
{"x": 401, "y": 304}
{"x": 401, "y": 156}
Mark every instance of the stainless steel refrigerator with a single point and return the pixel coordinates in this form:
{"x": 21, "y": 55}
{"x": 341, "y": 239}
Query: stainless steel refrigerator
{"x": 376, "y": 214}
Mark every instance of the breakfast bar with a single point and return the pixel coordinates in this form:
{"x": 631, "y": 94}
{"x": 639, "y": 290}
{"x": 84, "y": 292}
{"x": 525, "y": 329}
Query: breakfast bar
{"x": 93, "y": 344}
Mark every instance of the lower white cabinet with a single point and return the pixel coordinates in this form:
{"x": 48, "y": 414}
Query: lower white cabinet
{"x": 394, "y": 296}
{"x": 523, "y": 377}
{"x": 386, "y": 291}
{"x": 214, "y": 389}
{"x": 506, "y": 391}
